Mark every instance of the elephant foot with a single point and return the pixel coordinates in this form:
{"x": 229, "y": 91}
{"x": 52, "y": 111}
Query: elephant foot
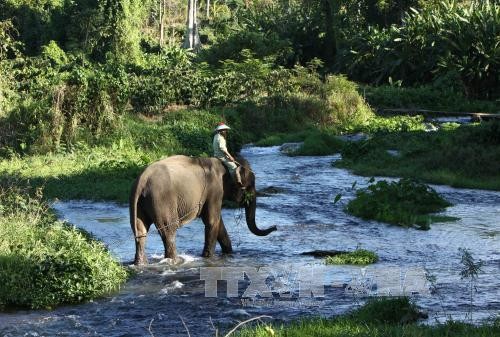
{"x": 207, "y": 253}
{"x": 227, "y": 251}
{"x": 141, "y": 261}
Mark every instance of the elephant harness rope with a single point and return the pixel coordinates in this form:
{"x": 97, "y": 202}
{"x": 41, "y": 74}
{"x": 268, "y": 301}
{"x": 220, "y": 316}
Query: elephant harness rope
{"x": 197, "y": 208}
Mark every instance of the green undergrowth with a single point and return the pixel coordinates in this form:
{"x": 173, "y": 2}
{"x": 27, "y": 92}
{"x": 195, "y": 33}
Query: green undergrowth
{"x": 436, "y": 96}
{"x": 406, "y": 203}
{"x": 320, "y": 142}
{"x": 461, "y": 156}
{"x": 315, "y": 142}
{"x": 107, "y": 171}
{"x": 45, "y": 262}
{"x": 379, "y": 317}
{"x": 359, "y": 257}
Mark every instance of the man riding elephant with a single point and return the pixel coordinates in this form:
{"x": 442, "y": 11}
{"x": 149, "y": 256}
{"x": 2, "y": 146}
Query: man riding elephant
{"x": 221, "y": 152}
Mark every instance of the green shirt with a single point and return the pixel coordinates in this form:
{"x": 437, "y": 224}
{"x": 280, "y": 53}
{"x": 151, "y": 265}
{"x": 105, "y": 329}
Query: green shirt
{"x": 220, "y": 146}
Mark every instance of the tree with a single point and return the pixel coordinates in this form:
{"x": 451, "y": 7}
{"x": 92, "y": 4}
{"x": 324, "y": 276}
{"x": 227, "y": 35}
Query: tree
{"x": 192, "y": 37}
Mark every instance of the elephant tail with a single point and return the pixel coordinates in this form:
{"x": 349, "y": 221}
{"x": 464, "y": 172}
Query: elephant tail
{"x": 135, "y": 193}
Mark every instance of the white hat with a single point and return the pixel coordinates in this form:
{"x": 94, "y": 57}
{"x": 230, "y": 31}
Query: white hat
{"x": 222, "y": 126}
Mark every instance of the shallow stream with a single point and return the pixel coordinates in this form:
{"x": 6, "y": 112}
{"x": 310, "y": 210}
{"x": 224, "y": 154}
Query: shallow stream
{"x": 163, "y": 297}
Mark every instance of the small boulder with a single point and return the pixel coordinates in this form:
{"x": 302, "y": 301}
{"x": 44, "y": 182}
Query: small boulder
{"x": 268, "y": 191}
{"x": 355, "y": 137}
{"x": 289, "y": 148}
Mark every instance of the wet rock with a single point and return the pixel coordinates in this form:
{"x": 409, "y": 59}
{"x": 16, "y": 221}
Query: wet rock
{"x": 394, "y": 153}
{"x": 268, "y": 191}
{"x": 429, "y": 127}
{"x": 289, "y": 148}
{"x": 239, "y": 313}
{"x": 355, "y": 137}
{"x": 324, "y": 253}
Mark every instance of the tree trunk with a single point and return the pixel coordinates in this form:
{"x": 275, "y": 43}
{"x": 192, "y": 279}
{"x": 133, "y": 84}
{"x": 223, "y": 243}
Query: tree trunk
{"x": 192, "y": 38}
{"x": 162, "y": 22}
{"x": 330, "y": 27}
{"x": 208, "y": 9}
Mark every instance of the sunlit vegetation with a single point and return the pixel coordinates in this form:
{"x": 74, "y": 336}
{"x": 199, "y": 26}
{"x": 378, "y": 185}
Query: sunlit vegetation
{"x": 45, "y": 262}
{"x": 358, "y": 256}
{"x": 85, "y": 108}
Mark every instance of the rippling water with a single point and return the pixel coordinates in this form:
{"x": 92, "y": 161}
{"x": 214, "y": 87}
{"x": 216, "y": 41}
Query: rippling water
{"x": 163, "y": 295}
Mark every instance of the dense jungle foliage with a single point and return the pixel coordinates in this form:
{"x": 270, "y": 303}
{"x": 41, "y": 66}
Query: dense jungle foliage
{"x": 71, "y": 70}
{"x": 91, "y": 91}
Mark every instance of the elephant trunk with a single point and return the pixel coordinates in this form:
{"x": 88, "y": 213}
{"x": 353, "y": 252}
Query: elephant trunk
{"x": 250, "y": 217}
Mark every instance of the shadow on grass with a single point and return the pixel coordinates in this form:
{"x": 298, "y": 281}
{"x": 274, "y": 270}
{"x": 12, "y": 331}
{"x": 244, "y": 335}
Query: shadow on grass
{"x": 101, "y": 183}
{"x": 466, "y": 156}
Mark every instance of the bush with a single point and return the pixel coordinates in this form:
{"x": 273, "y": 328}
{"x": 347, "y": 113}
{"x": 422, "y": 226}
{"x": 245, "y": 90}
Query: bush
{"x": 377, "y": 125}
{"x": 359, "y": 257}
{"x": 405, "y": 203}
{"x": 319, "y": 144}
{"x": 44, "y": 262}
{"x": 54, "y": 53}
{"x": 450, "y": 36}
{"x": 398, "y": 310}
{"x": 59, "y": 105}
{"x": 347, "y": 108}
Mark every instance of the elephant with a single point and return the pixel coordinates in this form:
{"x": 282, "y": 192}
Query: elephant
{"x": 175, "y": 190}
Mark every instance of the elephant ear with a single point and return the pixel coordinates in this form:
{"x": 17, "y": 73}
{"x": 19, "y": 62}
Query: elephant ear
{"x": 247, "y": 176}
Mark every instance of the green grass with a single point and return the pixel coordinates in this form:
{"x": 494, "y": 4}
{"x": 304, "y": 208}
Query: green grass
{"x": 406, "y": 203}
{"x": 280, "y": 138}
{"x": 429, "y": 97}
{"x": 466, "y": 156}
{"x": 45, "y": 262}
{"x": 358, "y": 257}
{"x": 319, "y": 144}
{"x": 107, "y": 171}
{"x": 379, "y": 317}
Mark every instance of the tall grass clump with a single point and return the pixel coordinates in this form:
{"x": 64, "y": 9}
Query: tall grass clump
{"x": 45, "y": 262}
{"x": 405, "y": 203}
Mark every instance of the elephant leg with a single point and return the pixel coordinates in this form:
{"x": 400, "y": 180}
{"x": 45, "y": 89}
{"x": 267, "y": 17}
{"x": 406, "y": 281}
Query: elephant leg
{"x": 142, "y": 225}
{"x": 211, "y": 234}
{"x": 168, "y": 237}
{"x": 223, "y": 238}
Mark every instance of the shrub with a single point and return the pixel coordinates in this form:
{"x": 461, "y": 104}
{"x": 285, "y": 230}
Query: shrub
{"x": 54, "y": 53}
{"x": 398, "y": 310}
{"x": 394, "y": 124}
{"x": 347, "y": 108}
{"x": 319, "y": 144}
{"x": 359, "y": 256}
{"x": 450, "y": 36}
{"x": 44, "y": 262}
{"x": 405, "y": 203}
